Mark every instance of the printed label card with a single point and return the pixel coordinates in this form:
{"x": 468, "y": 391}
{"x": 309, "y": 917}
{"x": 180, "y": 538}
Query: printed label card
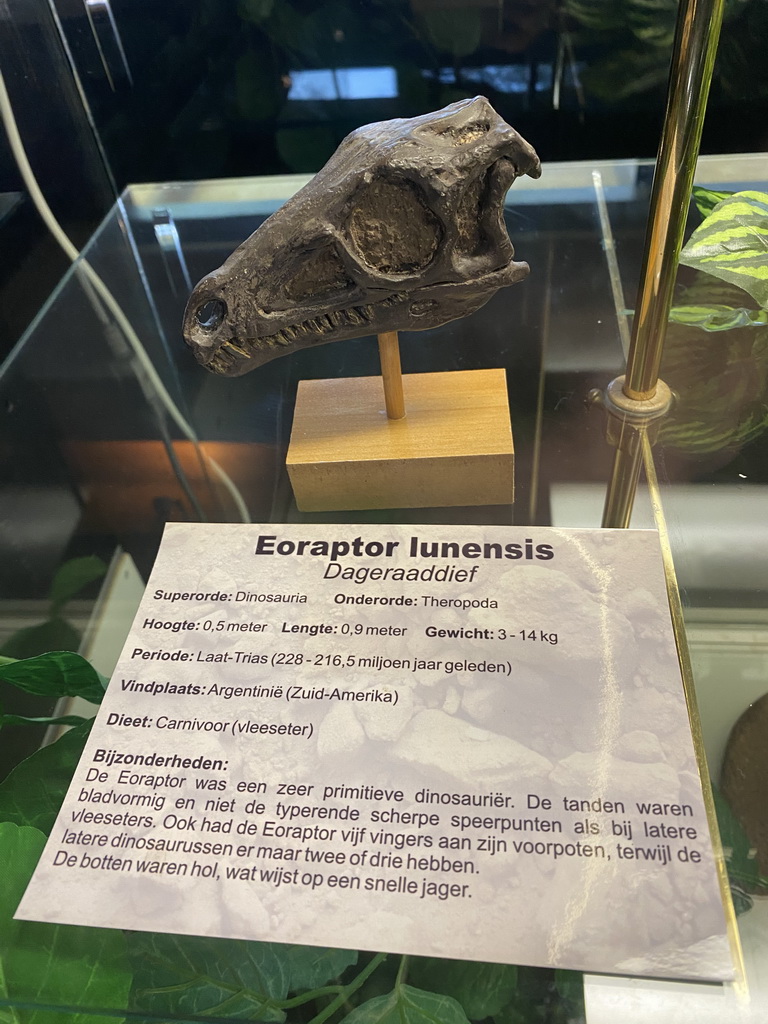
{"x": 461, "y": 742}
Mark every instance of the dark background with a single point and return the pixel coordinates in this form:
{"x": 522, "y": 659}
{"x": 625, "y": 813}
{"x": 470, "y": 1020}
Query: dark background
{"x": 153, "y": 90}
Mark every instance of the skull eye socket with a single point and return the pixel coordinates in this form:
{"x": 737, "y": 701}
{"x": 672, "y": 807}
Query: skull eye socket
{"x": 392, "y": 228}
{"x": 210, "y": 314}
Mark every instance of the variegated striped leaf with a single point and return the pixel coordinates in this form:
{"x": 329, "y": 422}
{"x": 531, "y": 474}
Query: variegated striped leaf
{"x": 705, "y": 290}
{"x": 706, "y": 199}
{"x": 599, "y": 14}
{"x": 717, "y": 317}
{"x": 732, "y": 244}
{"x": 653, "y": 21}
{"x": 722, "y": 387}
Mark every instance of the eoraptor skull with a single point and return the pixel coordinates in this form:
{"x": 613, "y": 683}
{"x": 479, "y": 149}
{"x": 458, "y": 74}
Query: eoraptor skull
{"x": 401, "y": 230}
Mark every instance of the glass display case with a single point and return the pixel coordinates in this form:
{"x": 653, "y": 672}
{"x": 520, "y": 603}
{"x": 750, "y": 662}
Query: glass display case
{"x": 110, "y": 430}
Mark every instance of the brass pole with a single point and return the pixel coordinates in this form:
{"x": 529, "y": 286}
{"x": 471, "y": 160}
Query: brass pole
{"x": 698, "y": 30}
{"x": 626, "y": 472}
{"x": 693, "y": 57}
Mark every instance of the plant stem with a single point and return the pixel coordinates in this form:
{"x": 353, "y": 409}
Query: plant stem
{"x": 353, "y": 986}
{"x": 306, "y": 997}
{"x": 402, "y": 971}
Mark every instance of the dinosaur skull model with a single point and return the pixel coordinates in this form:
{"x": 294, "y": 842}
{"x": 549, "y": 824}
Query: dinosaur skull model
{"x": 401, "y": 230}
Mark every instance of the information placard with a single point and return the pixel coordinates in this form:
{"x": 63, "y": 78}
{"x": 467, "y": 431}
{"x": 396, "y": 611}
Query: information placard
{"x": 463, "y": 742}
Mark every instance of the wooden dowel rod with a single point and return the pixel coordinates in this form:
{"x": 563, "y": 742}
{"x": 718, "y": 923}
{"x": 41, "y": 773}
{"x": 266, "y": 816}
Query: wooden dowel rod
{"x": 391, "y": 374}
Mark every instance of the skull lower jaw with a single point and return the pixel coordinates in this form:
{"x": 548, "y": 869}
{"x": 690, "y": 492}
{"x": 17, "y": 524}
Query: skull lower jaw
{"x": 416, "y": 310}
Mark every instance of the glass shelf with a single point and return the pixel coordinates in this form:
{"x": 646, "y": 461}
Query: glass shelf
{"x": 102, "y": 445}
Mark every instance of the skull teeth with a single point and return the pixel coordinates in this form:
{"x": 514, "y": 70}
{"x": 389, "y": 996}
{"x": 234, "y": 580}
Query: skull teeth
{"x": 325, "y": 323}
{"x": 221, "y": 362}
{"x": 231, "y": 347}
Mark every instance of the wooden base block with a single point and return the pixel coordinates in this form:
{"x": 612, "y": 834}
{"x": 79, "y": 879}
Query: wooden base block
{"x": 453, "y": 447}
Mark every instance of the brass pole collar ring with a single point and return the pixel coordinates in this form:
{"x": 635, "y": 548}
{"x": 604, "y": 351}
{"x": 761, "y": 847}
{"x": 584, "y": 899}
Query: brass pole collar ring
{"x": 637, "y": 412}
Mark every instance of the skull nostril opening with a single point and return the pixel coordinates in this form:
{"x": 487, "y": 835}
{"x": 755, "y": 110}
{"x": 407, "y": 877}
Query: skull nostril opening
{"x": 211, "y": 314}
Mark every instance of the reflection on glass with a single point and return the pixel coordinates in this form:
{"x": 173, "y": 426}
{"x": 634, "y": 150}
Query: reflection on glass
{"x": 343, "y": 84}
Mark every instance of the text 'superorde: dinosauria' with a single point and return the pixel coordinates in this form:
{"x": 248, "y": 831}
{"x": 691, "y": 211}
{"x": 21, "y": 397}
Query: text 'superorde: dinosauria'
{"x": 401, "y": 230}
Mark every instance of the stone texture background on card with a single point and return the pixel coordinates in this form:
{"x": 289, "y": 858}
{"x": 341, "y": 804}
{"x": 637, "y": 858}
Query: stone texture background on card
{"x": 599, "y": 714}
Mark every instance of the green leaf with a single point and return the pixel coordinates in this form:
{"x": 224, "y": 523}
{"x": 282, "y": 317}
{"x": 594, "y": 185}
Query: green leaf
{"x": 598, "y": 14}
{"x": 624, "y": 73}
{"x": 705, "y": 290}
{"x": 33, "y": 792}
{"x": 482, "y": 989}
{"x": 653, "y": 21}
{"x": 56, "y": 674}
{"x": 717, "y": 317}
{"x": 740, "y": 855}
{"x": 706, "y": 200}
{"x": 71, "y": 577}
{"x": 45, "y": 720}
{"x": 570, "y": 989}
{"x": 721, "y": 381}
{"x": 52, "y": 635}
{"x": 312, "y": 966}
{"x": 535, "y": 999}
{"x": 50, "y": 965}
{"x": 182, "y": 976}
{"x": 407, "y": 1005}
{"x": 454, "y": 30}
{"x": 732, "y": 244}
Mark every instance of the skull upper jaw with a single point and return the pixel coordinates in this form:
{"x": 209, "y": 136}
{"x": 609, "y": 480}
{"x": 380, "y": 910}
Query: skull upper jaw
{"x": 416, "y": 310}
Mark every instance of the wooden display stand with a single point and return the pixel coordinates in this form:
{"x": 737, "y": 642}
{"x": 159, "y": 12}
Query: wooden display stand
{"x": 354, "y": 447}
